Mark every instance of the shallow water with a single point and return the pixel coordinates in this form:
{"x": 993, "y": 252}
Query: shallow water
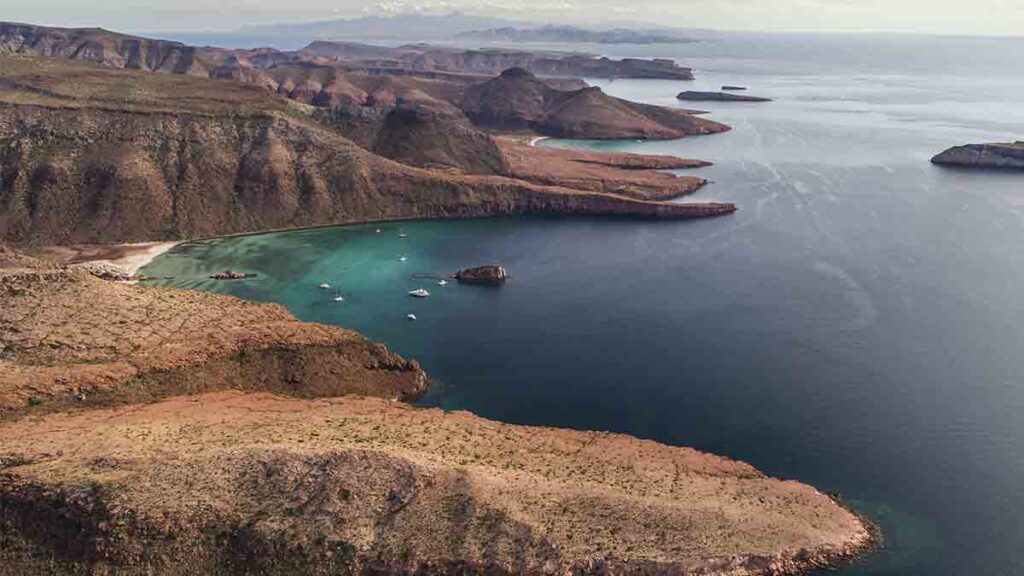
{"x": 857, "y": 325}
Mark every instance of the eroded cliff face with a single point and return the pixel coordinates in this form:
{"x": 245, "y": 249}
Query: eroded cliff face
{"x": 235, "y": 483}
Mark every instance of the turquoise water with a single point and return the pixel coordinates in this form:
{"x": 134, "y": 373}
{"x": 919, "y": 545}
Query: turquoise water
{"x": 857, "y": 325}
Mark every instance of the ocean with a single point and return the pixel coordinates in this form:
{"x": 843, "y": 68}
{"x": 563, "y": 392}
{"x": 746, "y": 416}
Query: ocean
{"x": 857, "y": 325}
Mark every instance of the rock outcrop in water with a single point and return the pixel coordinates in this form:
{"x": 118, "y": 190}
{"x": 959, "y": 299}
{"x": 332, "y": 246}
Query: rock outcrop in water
{"x": 483, "y": 275}
{"x": 1005, "y": 155}
{"x": 697, "y": 96}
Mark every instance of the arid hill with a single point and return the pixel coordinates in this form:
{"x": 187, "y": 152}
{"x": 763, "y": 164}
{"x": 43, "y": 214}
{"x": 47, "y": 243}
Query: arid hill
{"x": 251, "y": 483}
{"x": 91, "y": 154}
{"x": 102, "y": 47}
{"x": 68, "y": 339}
{"x": 407, "y": 103}
{"x": 518, "y": 100}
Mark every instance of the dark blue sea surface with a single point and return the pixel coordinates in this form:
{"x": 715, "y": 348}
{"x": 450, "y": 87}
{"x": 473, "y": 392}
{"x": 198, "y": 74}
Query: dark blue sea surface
{"x": 858, "y": 324}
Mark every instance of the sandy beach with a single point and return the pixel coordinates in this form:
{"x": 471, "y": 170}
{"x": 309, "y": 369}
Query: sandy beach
{"x": 131, "y": 257}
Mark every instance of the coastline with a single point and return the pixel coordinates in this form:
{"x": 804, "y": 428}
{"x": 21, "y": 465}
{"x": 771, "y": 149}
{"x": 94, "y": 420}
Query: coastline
{"x": 131, "y": 256}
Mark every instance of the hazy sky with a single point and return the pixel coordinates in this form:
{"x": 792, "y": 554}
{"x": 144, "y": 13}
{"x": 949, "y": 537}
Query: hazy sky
{"x": 941, "y": 16}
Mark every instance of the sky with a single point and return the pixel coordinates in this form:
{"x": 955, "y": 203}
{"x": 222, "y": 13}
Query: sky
{"x": 997, "y": 17}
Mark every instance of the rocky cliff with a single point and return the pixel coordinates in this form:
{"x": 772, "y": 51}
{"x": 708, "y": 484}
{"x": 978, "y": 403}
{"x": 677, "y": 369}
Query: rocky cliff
{"x": 1007, "y": 155}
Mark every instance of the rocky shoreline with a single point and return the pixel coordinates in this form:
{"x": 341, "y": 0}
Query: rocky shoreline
{"x": 152, "y": 430}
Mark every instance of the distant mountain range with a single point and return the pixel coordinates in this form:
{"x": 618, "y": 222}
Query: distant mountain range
{"x": 572, "y": 34}
{"x": 434, "y": 27}
{"x": 405, "y": 27}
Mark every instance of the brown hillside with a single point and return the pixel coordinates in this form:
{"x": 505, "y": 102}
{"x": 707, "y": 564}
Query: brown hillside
{"x": 94, "y": 155}
{"x": 69, "y": 339}
{"x": 232, "y": 483}
{"x": 518, "y": 100}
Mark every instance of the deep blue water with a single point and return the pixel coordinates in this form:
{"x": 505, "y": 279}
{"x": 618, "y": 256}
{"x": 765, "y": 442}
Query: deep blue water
{"x": 857, "y": 325}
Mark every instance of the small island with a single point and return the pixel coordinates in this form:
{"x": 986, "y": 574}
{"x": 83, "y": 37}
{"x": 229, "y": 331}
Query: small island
{"x": 698, "y": 96}
{"x": 995, "y": 155}
{"x": 482, "y": 275}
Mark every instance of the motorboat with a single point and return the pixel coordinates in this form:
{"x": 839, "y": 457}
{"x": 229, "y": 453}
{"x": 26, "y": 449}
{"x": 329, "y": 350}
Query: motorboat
{"x": 419, "y": 293}
{"x": 325, "y": 286}
{"x": 442, "y": 283}
{"x": 410, "y": 316}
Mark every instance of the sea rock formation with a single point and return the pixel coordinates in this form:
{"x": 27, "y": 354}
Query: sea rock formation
{"x": 1004, "y": 155}
{"x": 231, "y": 275}
{"x": 483, "y": 275}
{"x": 698, "y": 96}
{"x": 69, "y": 339}
{"x": 518, "y": 100}
{"x": 233, "y": 482}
